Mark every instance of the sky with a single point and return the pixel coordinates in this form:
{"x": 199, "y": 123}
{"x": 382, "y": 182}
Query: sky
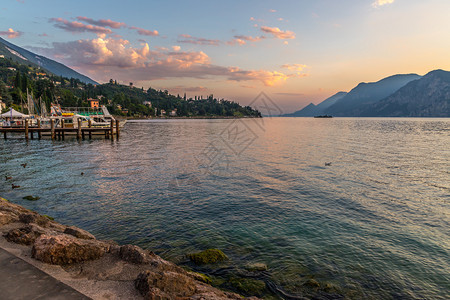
{"x": 295, "y": 51}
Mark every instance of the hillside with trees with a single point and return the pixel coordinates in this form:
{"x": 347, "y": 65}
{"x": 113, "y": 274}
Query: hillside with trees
{"x": 125, "y": 100}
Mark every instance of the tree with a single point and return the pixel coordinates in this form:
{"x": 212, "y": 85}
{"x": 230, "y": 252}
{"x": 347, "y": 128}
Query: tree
{"x": 18, "y": 81}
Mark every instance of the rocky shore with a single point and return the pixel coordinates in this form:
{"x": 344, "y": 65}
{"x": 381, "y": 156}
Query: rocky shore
{"x": 97, "y": 269}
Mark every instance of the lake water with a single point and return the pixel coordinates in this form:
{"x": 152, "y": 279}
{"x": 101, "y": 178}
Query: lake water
{"x": 374, "y": 224}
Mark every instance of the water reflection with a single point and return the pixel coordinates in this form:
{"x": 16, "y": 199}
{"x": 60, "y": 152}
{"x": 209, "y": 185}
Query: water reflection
{"x": 373, "y": 224}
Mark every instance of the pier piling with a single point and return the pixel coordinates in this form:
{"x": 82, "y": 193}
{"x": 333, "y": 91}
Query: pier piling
{"x": 26, "y": 130}
{"x": 117, "y": 129}
{"x": 52, "y": 128}
{"x": 90, "y": 126}
{"x": 39, "y": 127}
{"x": 62, "y": 131}
{"x": 79, "y": 129}
{"x": 112, "y": 130}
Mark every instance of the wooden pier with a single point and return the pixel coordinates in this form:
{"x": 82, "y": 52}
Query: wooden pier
{"x": 60, "y": 132}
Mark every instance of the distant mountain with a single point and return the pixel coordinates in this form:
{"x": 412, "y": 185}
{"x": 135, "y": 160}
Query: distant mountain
{"x": 426, "y": 97}
{"x": 24, "y": 56}
{"x": 307, "y": 111}
{"x": 330, "y": 101}
{"x": 367, "y": 93}
{"x": 312, "y": 110}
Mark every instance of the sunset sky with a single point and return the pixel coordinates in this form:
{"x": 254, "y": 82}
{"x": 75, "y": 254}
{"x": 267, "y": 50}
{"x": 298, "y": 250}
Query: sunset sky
{"x": 296, "y": 51}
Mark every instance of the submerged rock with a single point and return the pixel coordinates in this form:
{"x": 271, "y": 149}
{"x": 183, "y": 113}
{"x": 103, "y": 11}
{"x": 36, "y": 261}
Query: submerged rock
{"x": 159, "y": 285}
{"x": 256, "y": 267}
{"x": 248, "y": 286}
{"x": 209, "y": 256}
{"x": 200, "y": 277}
{"x": 79, "y": 233}
{"x": 31, "y": 198}
{"x": 64, "y": 249}
{"x": 312, "y": 283}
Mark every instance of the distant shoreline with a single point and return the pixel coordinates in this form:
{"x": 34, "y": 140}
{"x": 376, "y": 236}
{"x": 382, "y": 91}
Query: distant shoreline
{"x": 178, "y": 118}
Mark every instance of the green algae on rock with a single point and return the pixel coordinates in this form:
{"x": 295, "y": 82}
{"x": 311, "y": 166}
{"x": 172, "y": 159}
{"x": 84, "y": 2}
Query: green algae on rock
{"x": 312, "y": 283}
{"x": 209, "y": 256}
{"x": 31, "y": 198}
{"x": 49, "y": 217}
{"x": 201, "y": 277}
{"x": 248, "y": 286}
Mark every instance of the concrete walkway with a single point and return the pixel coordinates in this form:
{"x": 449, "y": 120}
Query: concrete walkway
{"x": 20, "y": 280}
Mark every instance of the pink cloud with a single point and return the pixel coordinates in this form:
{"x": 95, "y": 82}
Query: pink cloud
{"x": 75, "y": 26}
{"x": 146, "y": 32}
{"x": 102, "y": 57}
{"x": 43, "y": 34}
{"x": 249, "y": 38}
{"x": 102, "y": 23}
{"x": 186, "y": 38}
{"x": 278, "y": 33}
{"x": 295, "y": 67}
{"x": 11, "y": 34}
{"x": 235, "y": 41}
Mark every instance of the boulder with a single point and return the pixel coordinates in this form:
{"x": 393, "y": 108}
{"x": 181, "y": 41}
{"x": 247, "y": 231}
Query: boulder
{"x": 209, "y": 256}
{"x": 31, "y": 198}
{"x": 6, "y": 218}
{"x": 256, "y": 267}
{"x": 28, "y": 218}
{"x": 25, "y": 235}
{"x": 248, "y": 286}
{"x": 158, "y": 285}
{"x": 312, "y": 283}
{"x": 79, "y": 233}
{"x": 65, "y": 249}
{"x": 134, "y": 254}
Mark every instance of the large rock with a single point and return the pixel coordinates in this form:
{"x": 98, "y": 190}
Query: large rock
{"x": 209, "y": 256}
{"x": 25, "y": 235}
{"x": 6, "y": 218}
{"x": 134, "y": 254}
{"x": 65, "y": 249}
{"x": 79, "y": 233}
{"x": 28, "y": 218}
{"x": 159, "y": 285}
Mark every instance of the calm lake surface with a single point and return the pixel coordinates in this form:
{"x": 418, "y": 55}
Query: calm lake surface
{"x": 374, "y": 224}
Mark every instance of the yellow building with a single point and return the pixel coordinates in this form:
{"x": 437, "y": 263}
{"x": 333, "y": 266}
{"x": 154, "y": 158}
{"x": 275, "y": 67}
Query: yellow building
{"x": 94, "y": 103}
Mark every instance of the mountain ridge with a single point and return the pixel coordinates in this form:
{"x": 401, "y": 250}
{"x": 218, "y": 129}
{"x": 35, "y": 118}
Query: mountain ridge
{"x": 370, "y": 92}
{"x": 416, "y": 96}
{"x": 45, "y": 63}
{"x": 426, "y": 97}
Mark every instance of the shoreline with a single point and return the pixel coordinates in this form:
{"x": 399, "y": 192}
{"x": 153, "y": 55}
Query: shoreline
{"x": 98, "y": 269}
{"x": 183, "y": 118}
